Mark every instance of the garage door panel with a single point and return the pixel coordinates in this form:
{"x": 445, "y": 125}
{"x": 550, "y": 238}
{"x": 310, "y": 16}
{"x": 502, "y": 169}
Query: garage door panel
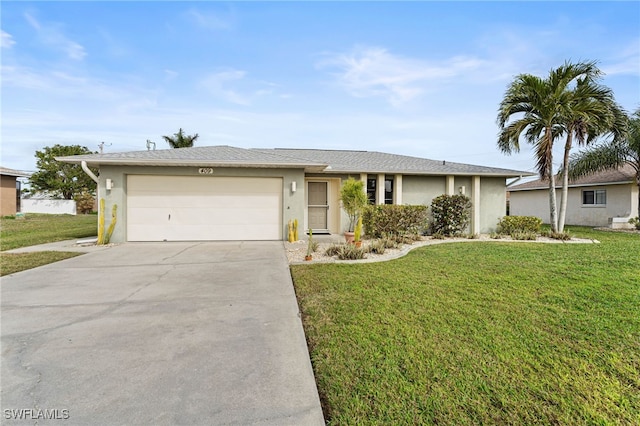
{"x": 189, "y": 208}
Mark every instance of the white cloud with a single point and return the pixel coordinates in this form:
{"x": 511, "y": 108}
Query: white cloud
{"x": 208, "y": 20}
{"x": 217, "y": 84}
{"x": 6, "y": 40}
{"x": 52, "y": 36}
{"x": 627, "y": 61}
{"x": 374, "y": 71}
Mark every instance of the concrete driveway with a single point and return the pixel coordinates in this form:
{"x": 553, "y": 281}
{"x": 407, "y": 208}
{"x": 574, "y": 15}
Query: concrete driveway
{"x": 157, "y": 333}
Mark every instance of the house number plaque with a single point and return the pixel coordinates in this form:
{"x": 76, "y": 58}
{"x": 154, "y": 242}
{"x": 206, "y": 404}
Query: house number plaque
{"x": 205, "y": 170}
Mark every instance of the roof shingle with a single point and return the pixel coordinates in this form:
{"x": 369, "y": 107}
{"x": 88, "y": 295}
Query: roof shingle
{"x": 328, "y": 161}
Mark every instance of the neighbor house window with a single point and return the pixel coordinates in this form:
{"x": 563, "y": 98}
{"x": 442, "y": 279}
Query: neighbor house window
{"x": 596, "y": 197}
{"x": 371, "y": 189}
{"x": 388, "y": 190}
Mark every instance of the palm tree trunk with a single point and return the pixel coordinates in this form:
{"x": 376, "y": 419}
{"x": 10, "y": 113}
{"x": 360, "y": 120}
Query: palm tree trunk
{"x": 553, "y": 211}
{"x": 565, "y": 182}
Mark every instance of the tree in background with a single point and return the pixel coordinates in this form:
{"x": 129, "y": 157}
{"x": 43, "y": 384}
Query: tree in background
{"x": 611, "y": 155}
{"x": 180, "y": 140}
{"x": 61, "y": 179}
{"x": 541, "y": 110}
{"x": 592, "y": 114}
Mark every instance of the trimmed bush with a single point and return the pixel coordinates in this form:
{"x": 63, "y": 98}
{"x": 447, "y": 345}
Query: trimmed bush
{"x": 388, "y": 219}
{"x": 377, "y": 247}
{"x": 351, "y": 252}
{"x": 509, "y": 225}
{"x": 451, "y": 214}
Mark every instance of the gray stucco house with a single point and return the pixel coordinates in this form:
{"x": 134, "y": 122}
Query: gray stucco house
{"x": 229, "y": 193}
{"x": 608, "y": 198}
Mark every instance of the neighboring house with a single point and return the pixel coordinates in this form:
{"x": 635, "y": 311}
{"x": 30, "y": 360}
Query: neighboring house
{"x": 228, "y": 193}
{"x": 10, "y": 188}
{"x": 608, "y": 198}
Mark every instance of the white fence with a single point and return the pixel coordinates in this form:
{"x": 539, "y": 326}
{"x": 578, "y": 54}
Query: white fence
{"x": 29, "y": 205}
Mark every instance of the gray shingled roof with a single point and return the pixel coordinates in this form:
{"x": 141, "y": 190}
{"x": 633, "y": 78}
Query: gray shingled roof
{"x": 205, "y": 156}
{"x": 622, "y": 175}
{"x": 344, "y": 161}
{"x": 318, "y": 160}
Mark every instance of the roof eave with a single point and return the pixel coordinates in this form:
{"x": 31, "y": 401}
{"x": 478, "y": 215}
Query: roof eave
{"x": 96, "y": 162}
{"x": 575, "y": 185}
{"x": 429, "y": 173}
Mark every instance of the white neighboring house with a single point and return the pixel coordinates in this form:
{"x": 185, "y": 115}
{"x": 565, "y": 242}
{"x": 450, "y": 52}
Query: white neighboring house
{"x": 608, "y": 198}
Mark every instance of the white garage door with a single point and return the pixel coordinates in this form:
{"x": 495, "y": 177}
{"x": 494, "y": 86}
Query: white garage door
{"x": 195, "y": 208}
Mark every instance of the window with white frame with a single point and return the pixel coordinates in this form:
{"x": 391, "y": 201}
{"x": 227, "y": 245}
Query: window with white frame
{"x": 596, "y": 197}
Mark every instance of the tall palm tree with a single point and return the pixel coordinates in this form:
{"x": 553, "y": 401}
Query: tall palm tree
{"x": 180, "y": 140}
{"x": 592, "y": 114}
{"x": 612, "y": 154}
{"x": 538, "y": 110}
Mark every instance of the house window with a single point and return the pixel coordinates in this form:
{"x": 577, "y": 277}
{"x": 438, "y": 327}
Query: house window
{"x": 388, "y": 190}
{"x": 596, "y": 197}
{"x": 371, "y": 189}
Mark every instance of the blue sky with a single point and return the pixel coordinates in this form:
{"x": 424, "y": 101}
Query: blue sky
{"x": 414, "y": 78}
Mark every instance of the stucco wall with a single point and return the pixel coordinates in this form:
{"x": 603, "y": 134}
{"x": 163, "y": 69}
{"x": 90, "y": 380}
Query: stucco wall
{"x": 292, "y": 202}
{"x": 493, "y": 203}
{"x": 620, "y": 203}
{"x": 7, "y": 195}
{"x": 423, "y": 189}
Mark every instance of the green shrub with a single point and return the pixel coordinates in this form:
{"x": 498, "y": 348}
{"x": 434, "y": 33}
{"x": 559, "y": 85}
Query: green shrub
{"x": 377, "y": 246}
{"x": 346, "y": 251}
{"x": 389, "y": 219}
{"x": 451, "y": 214}
{"x": 333, "y": 250}
{"x": 562, "y": 236}
{"x": 635, "y": 221}
{"x": 353, "y": 199}
{"x": 351, "y": 252}
{"x": 524, "y": 235}
{"x": 510, "y": 224}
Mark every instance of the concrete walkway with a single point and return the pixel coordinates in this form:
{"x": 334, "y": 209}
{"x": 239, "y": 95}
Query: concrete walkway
{"x": 158, "y": 333}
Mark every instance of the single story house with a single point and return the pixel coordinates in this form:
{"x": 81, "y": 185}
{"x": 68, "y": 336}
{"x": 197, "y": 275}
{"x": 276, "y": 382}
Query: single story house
{"x": 10, "y": 188}
{"x": 608, "y": 198}
{"x": 229, "y": 193}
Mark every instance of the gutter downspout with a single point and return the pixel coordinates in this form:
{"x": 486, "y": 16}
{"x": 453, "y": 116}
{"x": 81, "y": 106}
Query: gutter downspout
{"x": 85, "y": 168}
{"x": 518, "y": 179}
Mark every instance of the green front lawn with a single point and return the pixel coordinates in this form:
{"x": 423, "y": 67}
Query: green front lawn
{"x": 16, "y": 262}
{"x": 35, "y": 229}
{"x": 479, "y": 333}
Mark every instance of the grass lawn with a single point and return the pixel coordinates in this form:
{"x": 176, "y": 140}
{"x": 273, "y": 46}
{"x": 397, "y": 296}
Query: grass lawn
{"x": 45, "y": 228}
{"x": 479, "y": 333}
{"x": 16, "y": 262}
{"x": 39, "y": 229}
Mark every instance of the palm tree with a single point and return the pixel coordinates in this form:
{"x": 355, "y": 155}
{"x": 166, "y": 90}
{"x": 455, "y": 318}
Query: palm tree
{"x": 538, "y": 110}
{"x": 592, "y": 114}
{"x": 180, "y": 140}
{"x": 612, "y": 154}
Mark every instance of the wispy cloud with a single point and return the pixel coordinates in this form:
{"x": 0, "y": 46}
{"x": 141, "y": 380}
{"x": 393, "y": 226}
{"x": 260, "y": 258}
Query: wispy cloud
{"x": 374, "y": 71}
{"x": 218, "y": 85}
{"x": 627, "y": 60}
{"x": 53, "y": 36}
{"x": 208, "y": 20}
{"x": 6, "y": 40}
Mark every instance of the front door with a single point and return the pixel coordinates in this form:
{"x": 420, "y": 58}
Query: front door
{"x": 317, "y": 205}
